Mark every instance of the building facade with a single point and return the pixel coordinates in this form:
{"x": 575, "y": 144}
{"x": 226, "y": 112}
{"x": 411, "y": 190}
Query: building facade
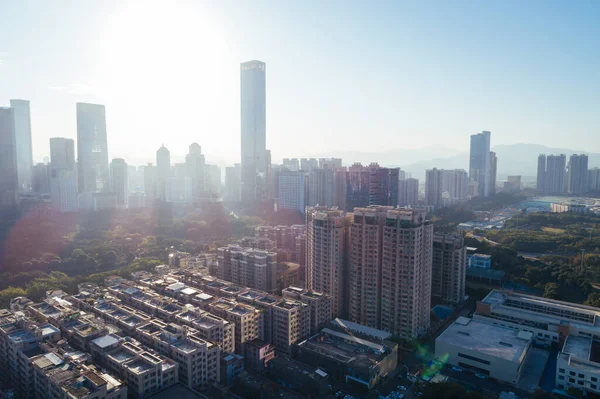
{"x": 406, "y": 273}
{"x": 449, "y": 268}
{"x": 92, "y": 148}
{"x": 119, "y": 181}
{"x": 253, "y": 128}
{"x": 479, "y": 162}
{"x": 9, "y": 180}
{"x": 326, "y": 241}
{"x": 365, "y": 264}
{"x": 578, "y": 174}
{"x": 22, "y": 119}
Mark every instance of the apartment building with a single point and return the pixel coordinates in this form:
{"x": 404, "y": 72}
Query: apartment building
{"x": 248, "y": 267}
{"x": 365, "y": 264}
{"x": 326, "y": 241}
{"x": 57, "y": 379}
{"x": 210, "y": 328}
{"x": 146, "y": 371}
{"x": 448, "y": 268}
{"x": 406, "y": 273}
{"x": 321, "y": 305}
{"x": 291, "y": 324}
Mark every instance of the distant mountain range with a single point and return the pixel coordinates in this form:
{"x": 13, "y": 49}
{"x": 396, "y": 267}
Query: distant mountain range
{"x": 513, "y": 159}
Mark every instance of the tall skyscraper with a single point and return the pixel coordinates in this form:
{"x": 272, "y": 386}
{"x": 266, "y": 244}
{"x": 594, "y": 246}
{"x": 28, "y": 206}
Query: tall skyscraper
{"x": 541, "y": 174}
{"x": 119, "y": 181}
{"x": 291, "y": 164}
{"x": 40, "y": 178}
{"x": 340, "y": 187}
{"x": 92, "y": 148}
{"x": 594, "y": 180}
{"x": 63, "y": 174}
{"x": 433, "y": 187}
{"x": 555, "y": 177}
{"x": 163, "y": 171}
{"x": 449, "y": 268}
{"x": 493, "y": 172}
{"x": 213, "y": 178}
{"x": 406, "y": 273}
{"x": 62, "y": 153}
{"x": 195, "y": 163}
{"x": 383, "y": 185}
{"x": 578, "y": 171}
{"x": 371, "y": 185}
{"x": 292, "y": 191}
{"x": 150, "y": 182}
{"x": 253, "y": 128}
{"x": 9, "y": 181}
{"x": 479, "y": 162}
{"x": 308, "y": 164}
{"x": 330, "y": 163}
{"x": 233, "y": 182}
{"x": 326, "y": 242}
{"x": 22, "y": 119}
{"x": 320, "y": 187}
{"x": 456, "y": 183}
{"x": 408, "y": 192}
{"x": 365, "y": 263}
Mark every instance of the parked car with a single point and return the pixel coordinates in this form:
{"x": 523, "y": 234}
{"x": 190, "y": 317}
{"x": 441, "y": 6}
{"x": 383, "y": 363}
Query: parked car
{"x": 458, "y": 369}
{"x": 482, "y": 376}
{"x": 401, "y": 387}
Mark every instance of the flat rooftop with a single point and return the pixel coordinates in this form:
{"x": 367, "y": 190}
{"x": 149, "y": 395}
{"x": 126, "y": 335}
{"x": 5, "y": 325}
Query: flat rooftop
{"x": 488, "y": 339}
{"x": 359, "y": 328}
{"x": 578, "y": 347}
{"x": 106, "y": 341}
{"x": 558, "y": 312}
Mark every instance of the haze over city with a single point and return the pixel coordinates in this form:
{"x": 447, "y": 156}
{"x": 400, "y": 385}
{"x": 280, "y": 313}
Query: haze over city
{"x": 406, "y": 75}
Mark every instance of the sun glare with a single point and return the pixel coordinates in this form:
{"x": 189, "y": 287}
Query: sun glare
{"x": 174, "y": 58}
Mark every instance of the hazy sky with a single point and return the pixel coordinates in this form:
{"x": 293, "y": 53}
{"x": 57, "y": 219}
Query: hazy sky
{"x": 341, "y": 75}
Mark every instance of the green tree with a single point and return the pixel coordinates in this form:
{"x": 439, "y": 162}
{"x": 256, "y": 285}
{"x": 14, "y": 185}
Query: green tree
{"x": 9, "y": 293}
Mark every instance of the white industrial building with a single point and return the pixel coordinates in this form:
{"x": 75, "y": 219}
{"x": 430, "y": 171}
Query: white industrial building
{"x": 497, "y": 352}
{"x": 577, "y": 365}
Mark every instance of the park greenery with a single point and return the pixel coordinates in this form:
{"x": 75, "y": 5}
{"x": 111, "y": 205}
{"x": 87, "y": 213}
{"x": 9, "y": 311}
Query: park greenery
{"x": 543, "y": 232}
{"x": 45, "y": 250}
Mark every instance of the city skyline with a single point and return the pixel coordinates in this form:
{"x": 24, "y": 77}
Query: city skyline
{"x": 92, "y": 72}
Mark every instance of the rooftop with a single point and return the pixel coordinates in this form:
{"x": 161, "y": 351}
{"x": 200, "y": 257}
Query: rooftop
{"x": 106, "y": 341}
{"x": 578, "y": 347}
{"x": 488, "y": 339}
{"x": 359, "y": 328}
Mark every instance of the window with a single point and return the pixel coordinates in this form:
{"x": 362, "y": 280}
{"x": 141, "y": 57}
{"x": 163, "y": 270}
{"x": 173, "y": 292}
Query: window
{"x": 594, "y": 379}
{"x": 572, "y": 380}
{"x": 571, "y": 373}
{"x": 561, "y": 377}
{"x": 561, "y": 370}
{"x": 593, "y": 386}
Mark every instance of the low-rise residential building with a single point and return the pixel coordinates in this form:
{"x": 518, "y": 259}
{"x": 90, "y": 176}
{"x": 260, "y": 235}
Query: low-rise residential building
{"x": 321, "y": 305}
{"x": 248, "y": 267}
{"x": 484, "y": 348}
{"x": 291, "y": 324}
